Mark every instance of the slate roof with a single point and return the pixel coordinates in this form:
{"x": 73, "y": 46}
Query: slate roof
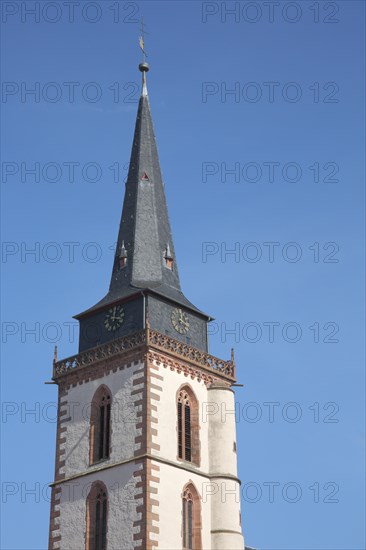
{"x": 144, "y": 229}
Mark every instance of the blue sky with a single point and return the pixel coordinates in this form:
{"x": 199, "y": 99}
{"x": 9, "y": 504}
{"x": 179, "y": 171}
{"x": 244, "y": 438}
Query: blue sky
{"x": 293, "y": 132}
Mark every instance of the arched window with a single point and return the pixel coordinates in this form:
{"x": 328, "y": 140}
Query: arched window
{"x": 100, "y": 425}
{"x": 188, "y": 425}
{"x": 191, "y": 518}
{"x": 96, "y": 517}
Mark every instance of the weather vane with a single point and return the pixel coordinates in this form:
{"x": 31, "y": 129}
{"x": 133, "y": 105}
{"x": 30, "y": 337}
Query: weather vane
{"x": 144, "y": 66}
{"x": 142, "y": 40}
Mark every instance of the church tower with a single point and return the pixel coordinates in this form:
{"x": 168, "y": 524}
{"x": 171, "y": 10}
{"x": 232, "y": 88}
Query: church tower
{"x": 146, "y": 434}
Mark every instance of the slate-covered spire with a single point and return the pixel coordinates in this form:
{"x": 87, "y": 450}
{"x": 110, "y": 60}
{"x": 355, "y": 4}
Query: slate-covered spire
{"x": 144, "y": 257}
{"x": 144, "y": 229}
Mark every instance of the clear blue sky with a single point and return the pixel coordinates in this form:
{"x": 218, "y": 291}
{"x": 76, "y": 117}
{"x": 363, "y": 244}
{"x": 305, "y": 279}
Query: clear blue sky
{"x": 314, "y": 121}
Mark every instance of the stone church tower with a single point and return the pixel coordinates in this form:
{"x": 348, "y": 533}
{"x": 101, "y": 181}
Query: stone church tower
{"x": 146, "y": 435}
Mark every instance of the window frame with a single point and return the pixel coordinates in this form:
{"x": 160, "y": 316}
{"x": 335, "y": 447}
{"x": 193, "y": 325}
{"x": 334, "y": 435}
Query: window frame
{"x": 191, "y": 518}
{"x": 187, "y": 414}
{"x": 100, "y": 425}
{"x": 96, "y": 517}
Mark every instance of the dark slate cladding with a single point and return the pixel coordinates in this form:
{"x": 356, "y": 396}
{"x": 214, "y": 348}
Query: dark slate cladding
{"x": 144, "y": 228}
{"x": 160, "y": 313}
{"x": 142, "y": 280}
{"x": 92, "y": 330}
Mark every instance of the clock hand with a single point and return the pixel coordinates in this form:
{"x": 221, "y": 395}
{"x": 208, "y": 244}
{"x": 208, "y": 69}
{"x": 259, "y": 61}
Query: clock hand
{"x": 182, "y": 321}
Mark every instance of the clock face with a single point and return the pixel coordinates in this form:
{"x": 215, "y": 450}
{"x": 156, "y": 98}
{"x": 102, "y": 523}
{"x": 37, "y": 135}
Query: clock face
{"x": 114, "y": 318}
{"x": 180, "y": 321}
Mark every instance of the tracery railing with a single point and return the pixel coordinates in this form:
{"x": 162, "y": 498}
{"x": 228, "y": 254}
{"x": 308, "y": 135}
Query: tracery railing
{"x": 191, "y": 354}
{"x": 99, "y": 353}
{"x": 146, "y": 337}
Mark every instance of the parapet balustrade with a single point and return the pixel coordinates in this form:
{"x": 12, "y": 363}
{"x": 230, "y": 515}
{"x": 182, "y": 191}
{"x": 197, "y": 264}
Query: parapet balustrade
{"x": 152, "y": 339}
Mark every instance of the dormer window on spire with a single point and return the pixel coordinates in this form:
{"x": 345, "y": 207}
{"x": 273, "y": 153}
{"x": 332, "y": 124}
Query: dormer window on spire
{"x": 123, "y": 256}
{"x": 168, "y": 257}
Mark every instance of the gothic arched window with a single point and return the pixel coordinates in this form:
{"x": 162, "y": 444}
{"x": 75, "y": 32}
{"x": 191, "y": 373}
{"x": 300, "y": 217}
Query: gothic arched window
{"x": 96, "y": 517}
{"x": 188, "y": 426}
{"x": 100, "y": 425}
{"x": 191, "y": 518}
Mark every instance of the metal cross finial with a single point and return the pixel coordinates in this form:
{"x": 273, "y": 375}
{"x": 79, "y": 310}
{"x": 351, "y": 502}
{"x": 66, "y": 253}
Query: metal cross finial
{"x": 142, "y": 40}
{"x": 144, "y": 66}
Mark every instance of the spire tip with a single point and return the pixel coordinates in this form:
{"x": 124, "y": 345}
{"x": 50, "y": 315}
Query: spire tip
{"x": 144, "y": 66}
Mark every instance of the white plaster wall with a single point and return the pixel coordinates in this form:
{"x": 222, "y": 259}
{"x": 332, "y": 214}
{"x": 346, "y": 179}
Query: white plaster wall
{"x": 227, "y": 541}
{"x": 120, "y": 484}
{"x": 166, "y": 414}
{"x": 222, "y": 431}
{"x": 172, "y": 481}
{"x": 123, "y": 425}
{"x": 224, "y": 494}
{"x": 220, "y": 497}
{"x": 217, "y": 456}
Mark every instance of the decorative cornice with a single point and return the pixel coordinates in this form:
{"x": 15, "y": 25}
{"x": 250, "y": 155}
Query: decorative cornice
{"x": 148, "y": 339}
{"x": 178, "y": 366}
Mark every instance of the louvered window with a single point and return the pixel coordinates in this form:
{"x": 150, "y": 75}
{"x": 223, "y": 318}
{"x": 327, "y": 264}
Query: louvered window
{"x": 184, "y": 427}
{"x": 104, "y": 426}
{"x": 180, "y": 430}
{"x": 97, "y": 508}
{"x": 187, "y": 520}
{"x": 187, "y": 432}
{"x": 100, "y": 428}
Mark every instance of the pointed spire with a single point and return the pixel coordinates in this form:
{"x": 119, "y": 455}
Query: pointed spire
{"x": 145, "y": 228}
{"x": 144, "y": 257}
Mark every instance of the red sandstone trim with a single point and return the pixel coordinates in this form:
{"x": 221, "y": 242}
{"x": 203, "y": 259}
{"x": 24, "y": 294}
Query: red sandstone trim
{"x": 54, "y": 530}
